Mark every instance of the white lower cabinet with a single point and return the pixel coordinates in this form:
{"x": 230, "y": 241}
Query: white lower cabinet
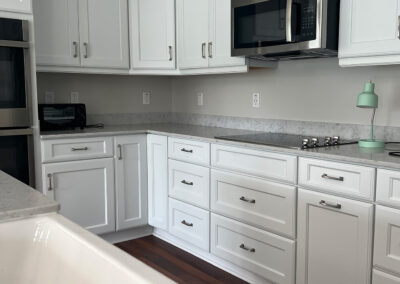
{"x": 334, "y": 239}
{"x": 380, "y": 277}
{"x": 85, "y": 191}
{"x": 189, "y": 223}
{"x": 387, "y": 239}
{"x": 131, "y": 181}
{"x": 258, "y": 202}
{"x": 263, "y": 253}
{"x": 157, "y": 177}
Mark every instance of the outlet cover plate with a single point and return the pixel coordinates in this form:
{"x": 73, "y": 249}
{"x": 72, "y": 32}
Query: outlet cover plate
{"x": 256, "y": 100}
{"x": 49, "y": 97}
{"x": 200, "y": 99}
{"x": 146, "y": 98}
{"x": 74, "y": 97}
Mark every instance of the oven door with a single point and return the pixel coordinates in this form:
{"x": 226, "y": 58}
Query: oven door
{"x": 16, "y": 152}
{"x": 15, "y": 90}
{"x": 274, "y": 26}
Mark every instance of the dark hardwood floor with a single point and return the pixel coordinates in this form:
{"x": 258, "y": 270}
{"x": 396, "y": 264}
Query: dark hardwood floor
{"x": 175, "y": 263}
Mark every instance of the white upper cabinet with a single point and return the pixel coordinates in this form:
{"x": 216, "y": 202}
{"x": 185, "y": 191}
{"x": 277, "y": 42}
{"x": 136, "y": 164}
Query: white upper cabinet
{"x": 82, "y": 33}
{"x": 24, "y": 6}
{"x": 334, "y": 239}
{"x": 152, "y": 24}
{"x": 219, "y": 44}
{"x": 57, "y": 32}
{"x": 104, "y": 33}
{"x": 192, "y": 29}
{"x": 204, "y": 34}
{"x": 131, "y": 181}
{"x": 369, "y": 32}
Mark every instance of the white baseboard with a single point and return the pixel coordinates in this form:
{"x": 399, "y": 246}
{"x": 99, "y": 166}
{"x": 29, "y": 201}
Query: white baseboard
{"x": 127, "y": 235}
{"x": 210, "y": 258}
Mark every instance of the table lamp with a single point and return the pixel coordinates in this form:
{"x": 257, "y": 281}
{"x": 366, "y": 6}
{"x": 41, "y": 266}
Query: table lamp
{"x": 368, "y": 99}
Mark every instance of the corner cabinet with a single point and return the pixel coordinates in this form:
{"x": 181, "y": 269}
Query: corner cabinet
{"x": 334, "y": 239}
{"x": 82, "y": 33}
{"x": 204, "y": 34}
{"x": 130, "y": 181}
{"x": 152, "y": 24}
{"x": 157, "y": 159}
{"x": 85, "y": 191}
{"x": 369, "y": 32}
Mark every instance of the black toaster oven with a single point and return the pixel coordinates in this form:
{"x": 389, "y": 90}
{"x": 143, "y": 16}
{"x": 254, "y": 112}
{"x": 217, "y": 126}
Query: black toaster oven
{"x": 62, "y": 116}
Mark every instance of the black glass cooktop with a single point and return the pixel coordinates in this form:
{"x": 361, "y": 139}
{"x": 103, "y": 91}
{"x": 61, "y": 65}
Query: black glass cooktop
{"x": 287, "y": 140}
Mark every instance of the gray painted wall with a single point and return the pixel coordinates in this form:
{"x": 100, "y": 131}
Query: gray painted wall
{"x": 307, "y": 90}
{"x": 108, "y": 94}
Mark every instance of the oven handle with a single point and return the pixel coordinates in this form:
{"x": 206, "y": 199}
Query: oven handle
{"x": 289, "y": 5}
{"x": 16, "y": 132}
{"x": 13, "y": 43}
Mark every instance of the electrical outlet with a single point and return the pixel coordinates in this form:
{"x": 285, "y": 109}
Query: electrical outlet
{"x": 200, "y": 99}
{"x": 146, "y": 98}
{"x": 256, "y": 100}
{"x": 74, "y": 97}
{"x": 49, "y": 97}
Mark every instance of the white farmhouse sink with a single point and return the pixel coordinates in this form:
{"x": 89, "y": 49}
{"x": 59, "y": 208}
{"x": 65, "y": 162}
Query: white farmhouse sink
{"x": 50, "y": 249}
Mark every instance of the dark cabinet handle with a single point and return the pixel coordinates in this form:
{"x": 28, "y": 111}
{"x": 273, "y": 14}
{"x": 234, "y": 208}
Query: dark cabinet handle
{"x": 186, "y": 150}
{"x": 187, "y": 224}
{"x": 186, "y": 182}
{"x": 331, "y": 205}
{"x": 242, "y": 246}
{"x": 326, "y": 176}
{"x": 80, "y": 149}
{"x": 247, "y": 200}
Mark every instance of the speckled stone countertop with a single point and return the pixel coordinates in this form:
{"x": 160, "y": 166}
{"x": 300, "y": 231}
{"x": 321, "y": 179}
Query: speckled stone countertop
{"x": 17, "y": 200}
{"x": 346, "y": 153}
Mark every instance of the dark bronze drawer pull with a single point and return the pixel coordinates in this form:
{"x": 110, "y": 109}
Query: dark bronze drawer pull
{"x": 247, "y": 200}
{"x": 331, "y": 205}
{"x": 80, "y": 149}
{"x": 186, "y": 150}
{"x": 242, "y": 246}
{"x": 326, "y": 176}
{"x": 186, "y": 182}
{"x": 187, "y": 224}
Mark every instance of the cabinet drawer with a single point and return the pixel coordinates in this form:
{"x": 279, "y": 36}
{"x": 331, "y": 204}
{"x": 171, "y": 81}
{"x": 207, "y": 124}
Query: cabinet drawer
{"x": 254, "y": 201}
{"x": 263, "y": 253}
{"x": 189, "y": 223}
{"x": 189, "y": 183}
{"x": 387, "y": 239}
{"x": 379, "y": 277}
{"x": 349, "y": 180}
{"x": 76, "y": 149}
{"x": 189, "y": 151}
{"x": 388, "y": 188}
{"x": 254, "y": 162}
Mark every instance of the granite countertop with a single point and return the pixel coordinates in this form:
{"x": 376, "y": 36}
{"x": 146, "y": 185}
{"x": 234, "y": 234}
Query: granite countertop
{"x": 345, "y": 153}
{"x": 17, "y": 200}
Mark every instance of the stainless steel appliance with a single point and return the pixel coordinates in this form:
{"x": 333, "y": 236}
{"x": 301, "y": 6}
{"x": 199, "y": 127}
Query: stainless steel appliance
{"x": 16, "y": 142}
{"x": 62, "y": 116}
{"x": 285, "y": 29}
{"x": 288, "y": 140}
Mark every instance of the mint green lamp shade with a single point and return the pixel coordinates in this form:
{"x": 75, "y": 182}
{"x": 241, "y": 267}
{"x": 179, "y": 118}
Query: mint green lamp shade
{"x": 368, "y": 99}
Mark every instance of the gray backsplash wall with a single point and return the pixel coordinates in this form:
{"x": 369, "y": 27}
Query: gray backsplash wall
{"x": 316, "y": 90}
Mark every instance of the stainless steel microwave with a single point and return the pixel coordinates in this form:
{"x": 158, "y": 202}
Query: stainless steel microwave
{"x": 285, "y": 29}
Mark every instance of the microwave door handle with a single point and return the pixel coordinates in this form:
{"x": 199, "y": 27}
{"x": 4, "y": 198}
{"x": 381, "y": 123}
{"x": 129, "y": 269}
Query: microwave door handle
{"x": 289, "y": 5}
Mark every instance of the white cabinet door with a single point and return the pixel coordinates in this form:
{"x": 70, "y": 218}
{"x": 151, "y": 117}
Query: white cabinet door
{"x": 104, "y": 33}
{"x": 56, "y": 32}
{"x": 369, "y": 29}
{"x": 152, "y": 34}
{"x": 131, "y": 181}
{"x": 16, "y": 5}
{"x": 387, "y": 239}
{"x": 157, "y": 163}
{"x": 192, "y": 28}
{"x": 334, "y": 239}
{"x": 85, "y": 191}
{"x": 219, "y": 45}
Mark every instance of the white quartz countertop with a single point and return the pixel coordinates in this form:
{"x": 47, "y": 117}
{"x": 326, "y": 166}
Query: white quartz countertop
{"x": 345, "y": 153}
{"x": 17, "y": 200}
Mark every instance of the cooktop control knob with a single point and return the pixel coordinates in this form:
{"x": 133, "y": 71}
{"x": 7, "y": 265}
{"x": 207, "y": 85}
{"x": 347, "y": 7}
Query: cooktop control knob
{"x": 305, "y": 143}
{"x": 328, "y": 141}
{"x": 314, "y": 142}
{"x": 336, "y": 140}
